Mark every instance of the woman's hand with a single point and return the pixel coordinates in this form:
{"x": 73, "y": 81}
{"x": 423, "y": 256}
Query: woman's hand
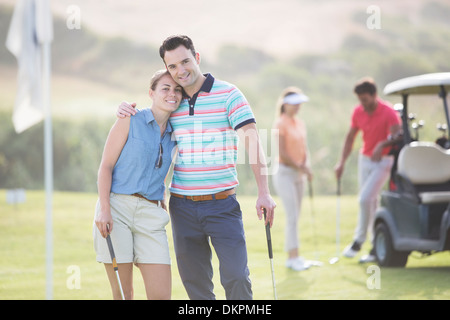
{"x": 104, "y": 222}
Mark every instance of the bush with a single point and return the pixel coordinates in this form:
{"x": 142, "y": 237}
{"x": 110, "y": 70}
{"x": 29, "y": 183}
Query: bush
{"x": 77, "y": 150}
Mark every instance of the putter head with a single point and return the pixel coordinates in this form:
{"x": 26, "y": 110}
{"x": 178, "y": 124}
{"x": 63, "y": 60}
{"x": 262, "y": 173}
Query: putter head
{"x": 334, "y": 260}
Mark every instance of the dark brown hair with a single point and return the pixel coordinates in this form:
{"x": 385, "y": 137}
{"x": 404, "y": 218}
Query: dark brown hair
{"x": 365, "y": 85}
{"x": 173, "y": 42}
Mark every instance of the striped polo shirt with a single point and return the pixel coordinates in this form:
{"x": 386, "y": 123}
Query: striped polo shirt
{"x": 205, "y": 130}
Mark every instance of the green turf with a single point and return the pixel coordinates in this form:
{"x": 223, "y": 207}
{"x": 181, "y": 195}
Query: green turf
{"x": 22, "y": 252}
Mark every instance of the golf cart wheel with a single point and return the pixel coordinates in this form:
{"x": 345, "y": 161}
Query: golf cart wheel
{"x": 385, "y": 253}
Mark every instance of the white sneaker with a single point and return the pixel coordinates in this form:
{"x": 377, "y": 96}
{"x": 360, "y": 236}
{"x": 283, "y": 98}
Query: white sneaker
{"x": 370, "y": 257}
{"x": 297, "y": 264}
{"x": 314, "y": 263}
{"x": 367, "y": 258}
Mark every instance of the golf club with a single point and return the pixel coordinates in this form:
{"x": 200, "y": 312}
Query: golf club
{"x": 116, "y": 269}
{"x": 269, "y": 246}
{"x": 316, "y": 262}
{"x": 338, "y": 213}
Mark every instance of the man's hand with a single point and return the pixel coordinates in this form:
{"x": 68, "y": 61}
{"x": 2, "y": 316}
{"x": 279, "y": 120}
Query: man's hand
{"x": 339, "y": 170}
{"x": 126, "y": 110}
{"x": 266, "y": 202}
{"x": 377, "y": 153}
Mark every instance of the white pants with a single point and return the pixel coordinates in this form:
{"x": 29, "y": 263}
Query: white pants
{"x": 289, "y": 185}
{"x": 371, "y": 177}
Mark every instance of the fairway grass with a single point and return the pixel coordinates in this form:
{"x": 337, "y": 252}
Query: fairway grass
{"x": 77, "y": 276}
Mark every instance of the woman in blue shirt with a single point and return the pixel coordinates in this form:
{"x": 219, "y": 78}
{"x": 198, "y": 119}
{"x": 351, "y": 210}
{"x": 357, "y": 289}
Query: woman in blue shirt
{"x": 136, "y": 158}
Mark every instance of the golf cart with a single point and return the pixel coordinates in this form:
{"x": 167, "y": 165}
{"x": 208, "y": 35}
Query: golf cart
{"x": 414, "y": 215}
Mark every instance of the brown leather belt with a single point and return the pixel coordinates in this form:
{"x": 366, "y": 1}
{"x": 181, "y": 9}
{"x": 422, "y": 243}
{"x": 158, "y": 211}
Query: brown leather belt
{"x": 141, "y": 196}
{"x": 205, "y": 197}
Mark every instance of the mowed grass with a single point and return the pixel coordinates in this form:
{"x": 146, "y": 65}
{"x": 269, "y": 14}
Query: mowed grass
{"x": 76, "y": 274}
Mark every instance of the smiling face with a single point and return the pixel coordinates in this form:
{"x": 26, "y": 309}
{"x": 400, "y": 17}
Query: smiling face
{"x": 166, "y": 94}
{"x": 184, "y": 68}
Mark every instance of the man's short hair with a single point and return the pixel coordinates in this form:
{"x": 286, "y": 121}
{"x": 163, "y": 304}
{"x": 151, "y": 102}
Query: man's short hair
{"x": 365, "y": 85}
{"x": 173, "y": 42}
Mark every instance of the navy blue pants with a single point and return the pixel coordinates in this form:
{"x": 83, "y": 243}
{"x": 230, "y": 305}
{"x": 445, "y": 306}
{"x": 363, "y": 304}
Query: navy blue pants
{"x": 196, "y": 224}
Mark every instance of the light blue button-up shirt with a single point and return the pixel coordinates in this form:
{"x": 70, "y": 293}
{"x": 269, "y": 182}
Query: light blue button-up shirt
{"x": 136, "y": 170}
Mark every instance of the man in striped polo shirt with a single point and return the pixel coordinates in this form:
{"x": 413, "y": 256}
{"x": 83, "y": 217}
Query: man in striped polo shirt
{"x": 203, "y": 204}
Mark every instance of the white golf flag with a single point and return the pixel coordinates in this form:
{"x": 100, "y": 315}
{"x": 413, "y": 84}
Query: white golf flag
{"x": 31, "y": 26}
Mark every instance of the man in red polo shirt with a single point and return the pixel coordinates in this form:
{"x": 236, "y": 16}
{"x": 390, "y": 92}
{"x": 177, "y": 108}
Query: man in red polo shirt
{"x": 380, "y": 126}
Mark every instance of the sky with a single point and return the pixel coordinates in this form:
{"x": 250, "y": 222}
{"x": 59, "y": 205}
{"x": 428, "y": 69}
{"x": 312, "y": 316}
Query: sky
{"x": 283, "y": 28}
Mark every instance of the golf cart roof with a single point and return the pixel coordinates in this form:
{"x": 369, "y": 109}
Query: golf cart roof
{"x": 424, "y": 84}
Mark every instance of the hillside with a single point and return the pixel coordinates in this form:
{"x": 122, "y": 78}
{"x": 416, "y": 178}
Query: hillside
{"x": 116, "y": 47}
{"x": 280, "y": 28}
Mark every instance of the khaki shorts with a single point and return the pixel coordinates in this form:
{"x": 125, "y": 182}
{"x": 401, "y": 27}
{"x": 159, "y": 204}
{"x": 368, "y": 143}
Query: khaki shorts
{"x": 138, "y": 235}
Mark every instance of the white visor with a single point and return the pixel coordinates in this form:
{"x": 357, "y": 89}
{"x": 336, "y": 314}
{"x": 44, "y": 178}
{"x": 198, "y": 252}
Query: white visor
{"x": 295, "y": 98}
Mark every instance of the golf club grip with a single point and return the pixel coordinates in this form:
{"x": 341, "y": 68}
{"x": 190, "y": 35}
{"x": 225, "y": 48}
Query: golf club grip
{"x": 269, "y": 238}
{"x": 111, "y": 251}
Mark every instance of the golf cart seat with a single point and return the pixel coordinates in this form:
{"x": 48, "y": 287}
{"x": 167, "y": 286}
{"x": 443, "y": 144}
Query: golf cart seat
{"x": 424, "y": 170}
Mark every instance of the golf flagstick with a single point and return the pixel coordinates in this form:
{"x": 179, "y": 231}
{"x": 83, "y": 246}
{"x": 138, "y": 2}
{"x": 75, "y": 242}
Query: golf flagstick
{"x": 116, "y": 269}
{"x": 269, "y": 246}
{"x": 338, "y": 213}
{"x": 316, "y": 262}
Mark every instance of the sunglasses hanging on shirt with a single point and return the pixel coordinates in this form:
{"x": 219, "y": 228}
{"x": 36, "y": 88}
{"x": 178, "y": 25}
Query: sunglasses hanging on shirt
{"x": 159, "y": 160}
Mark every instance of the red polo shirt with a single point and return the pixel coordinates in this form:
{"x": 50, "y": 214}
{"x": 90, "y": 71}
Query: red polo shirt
{"x": 376, "y": 126}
